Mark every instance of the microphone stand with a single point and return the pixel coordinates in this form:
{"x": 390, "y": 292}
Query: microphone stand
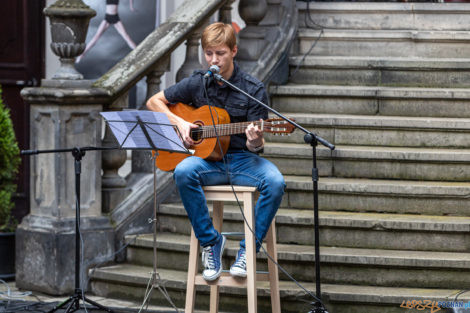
{"x": 312, "y": 139}
{"x": 72, "y": 304}
{"x": 138, "y": 141}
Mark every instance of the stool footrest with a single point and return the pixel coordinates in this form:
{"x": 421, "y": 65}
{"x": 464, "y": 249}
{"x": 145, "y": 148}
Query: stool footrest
{"x": 257, "y": 272}
{"x": 234, "y": 233}
{"x": 228, "y": 280}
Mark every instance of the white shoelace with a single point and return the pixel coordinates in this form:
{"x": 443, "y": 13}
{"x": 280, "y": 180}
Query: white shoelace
{"x": 208, "y": 258}
{"x": 241, "y": 261}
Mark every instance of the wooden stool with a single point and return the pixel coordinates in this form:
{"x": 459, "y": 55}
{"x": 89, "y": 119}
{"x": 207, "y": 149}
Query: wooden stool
{"x": 247, "y": 196}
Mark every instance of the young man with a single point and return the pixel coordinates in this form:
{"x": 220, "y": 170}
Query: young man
{"x": 244, "y": 165}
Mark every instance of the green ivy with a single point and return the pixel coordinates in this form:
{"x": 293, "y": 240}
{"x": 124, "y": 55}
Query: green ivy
{"x": 9, "y": 162}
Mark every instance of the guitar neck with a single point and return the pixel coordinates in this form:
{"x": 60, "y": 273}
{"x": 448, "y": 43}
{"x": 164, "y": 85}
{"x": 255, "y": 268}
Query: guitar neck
{"x": 227, "y": 129}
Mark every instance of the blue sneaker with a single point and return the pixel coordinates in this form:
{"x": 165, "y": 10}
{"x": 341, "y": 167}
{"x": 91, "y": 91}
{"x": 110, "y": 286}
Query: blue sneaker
{"x": 239, "y": 267}
{"x": 212, "y": 260}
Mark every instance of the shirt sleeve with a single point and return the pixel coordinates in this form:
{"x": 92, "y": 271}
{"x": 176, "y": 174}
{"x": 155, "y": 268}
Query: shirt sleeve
{"x": 255, "y": 110}
{"x": 182, "y": 91}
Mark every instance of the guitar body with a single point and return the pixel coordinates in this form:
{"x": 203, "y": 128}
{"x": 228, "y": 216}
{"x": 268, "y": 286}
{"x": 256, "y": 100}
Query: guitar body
{"x": 205, "y": 148}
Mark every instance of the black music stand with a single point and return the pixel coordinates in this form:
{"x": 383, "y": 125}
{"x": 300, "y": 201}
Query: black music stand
{"x": 144, "y": 130}
{"x": 147, "y": 130}
{"x": 133, "y": 130}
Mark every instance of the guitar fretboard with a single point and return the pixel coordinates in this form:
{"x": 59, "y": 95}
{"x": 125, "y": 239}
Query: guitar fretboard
{"x": 227, "y": 129}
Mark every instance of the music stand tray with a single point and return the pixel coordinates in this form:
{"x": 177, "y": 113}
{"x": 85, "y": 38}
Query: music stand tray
{"x": 143, "y": 130}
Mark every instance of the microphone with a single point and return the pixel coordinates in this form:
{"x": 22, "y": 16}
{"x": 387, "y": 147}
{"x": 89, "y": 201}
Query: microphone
{"x": 214, "y": 69}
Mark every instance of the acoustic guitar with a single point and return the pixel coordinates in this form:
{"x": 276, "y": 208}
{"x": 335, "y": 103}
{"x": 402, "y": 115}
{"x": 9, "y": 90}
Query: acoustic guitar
{"x": 205, "y": 136}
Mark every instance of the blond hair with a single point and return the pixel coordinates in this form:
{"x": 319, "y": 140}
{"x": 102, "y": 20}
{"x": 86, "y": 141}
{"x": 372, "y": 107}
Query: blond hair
{"x": 217, "y": 34}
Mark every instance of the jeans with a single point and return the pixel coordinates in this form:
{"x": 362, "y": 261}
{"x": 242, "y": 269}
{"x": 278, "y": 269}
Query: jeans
{"x": 246, "y": 169}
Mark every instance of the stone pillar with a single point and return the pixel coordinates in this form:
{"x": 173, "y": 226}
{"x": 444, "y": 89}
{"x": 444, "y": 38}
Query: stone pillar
{"x": 64, "y": 115}
{"x": 252, "y": 38}
{"x": 45, "y": 239}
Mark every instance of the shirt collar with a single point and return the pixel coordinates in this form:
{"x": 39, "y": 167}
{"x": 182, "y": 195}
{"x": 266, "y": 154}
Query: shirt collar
{"x": 235, "y": 77}
{"x": 235, "y": 73}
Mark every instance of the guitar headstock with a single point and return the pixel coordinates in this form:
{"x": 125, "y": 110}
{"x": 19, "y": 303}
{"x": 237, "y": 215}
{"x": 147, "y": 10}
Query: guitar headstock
{"x": 278, "y": 126}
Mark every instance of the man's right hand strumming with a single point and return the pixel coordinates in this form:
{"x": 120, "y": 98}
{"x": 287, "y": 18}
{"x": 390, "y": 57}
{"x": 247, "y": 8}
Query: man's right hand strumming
{"x": 159, "y": 103}
{"x": 185, "y": 130}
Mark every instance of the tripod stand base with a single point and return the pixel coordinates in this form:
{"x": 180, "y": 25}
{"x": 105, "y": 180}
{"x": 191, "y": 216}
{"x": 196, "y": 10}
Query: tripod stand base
{"x": 72, "y": 304}
{"x": 317, "y": 307}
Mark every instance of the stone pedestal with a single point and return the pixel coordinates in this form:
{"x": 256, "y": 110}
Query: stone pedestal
{"x": 45, "y": 244}
{"x": 45, "y": 252}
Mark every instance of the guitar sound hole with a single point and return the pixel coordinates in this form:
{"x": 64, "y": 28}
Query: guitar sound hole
{"x": 196, "y": 134}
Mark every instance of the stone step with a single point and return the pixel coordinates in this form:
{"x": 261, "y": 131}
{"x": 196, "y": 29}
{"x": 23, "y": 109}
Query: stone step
{"x": 128, "y": 282}
{"x": 375, "y": 195}
{"x": 45, "y": 303}
{"x": 368, "y": 100}
{"x": 384, "y": 15}
{"x": 354, "y": 266}
{"x": 376, "y": 130}
{"x": 385, "y": 43}
{"x": 345, "y": 229}
{"x": 373, "y": 162}
{"x": 380, "y": 71}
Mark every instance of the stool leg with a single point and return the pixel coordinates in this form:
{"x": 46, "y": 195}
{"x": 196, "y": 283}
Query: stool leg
{"x": 192, "y": 271}
{"x": 273, "y": 270}
{"x": 217, "y": 221}
{"x": 248, "y": 209}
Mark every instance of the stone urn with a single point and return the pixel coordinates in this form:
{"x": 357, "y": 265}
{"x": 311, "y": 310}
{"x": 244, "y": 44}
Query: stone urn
{"x": 69, "y": 25}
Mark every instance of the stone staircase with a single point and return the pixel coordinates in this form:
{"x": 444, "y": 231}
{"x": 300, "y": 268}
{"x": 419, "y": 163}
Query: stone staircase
{"x": 388, "y": 85}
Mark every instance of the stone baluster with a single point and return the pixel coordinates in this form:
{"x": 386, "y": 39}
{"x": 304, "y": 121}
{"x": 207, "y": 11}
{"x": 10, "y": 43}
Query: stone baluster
{"x": 113, "y": 186}
{"x": 225, "y": 12}
{"x": 252, "y": 38}
{"x": 273, "y": 16}
{"x": 111, "y": 162}
{"x": 154, "y": 79}
{"x": 141, "y": 160}
{"x": 191, "y": 61}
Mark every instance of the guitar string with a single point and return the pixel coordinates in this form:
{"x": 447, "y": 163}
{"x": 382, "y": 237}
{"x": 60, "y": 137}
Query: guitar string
{"x": 228, "y": 129}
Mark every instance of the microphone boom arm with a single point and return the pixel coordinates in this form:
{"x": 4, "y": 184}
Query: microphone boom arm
{"x": 309, "y": 136}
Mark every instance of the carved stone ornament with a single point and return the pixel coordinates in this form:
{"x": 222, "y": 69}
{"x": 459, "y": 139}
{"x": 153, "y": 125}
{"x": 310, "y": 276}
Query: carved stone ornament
{"x": 69, "y": 25}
